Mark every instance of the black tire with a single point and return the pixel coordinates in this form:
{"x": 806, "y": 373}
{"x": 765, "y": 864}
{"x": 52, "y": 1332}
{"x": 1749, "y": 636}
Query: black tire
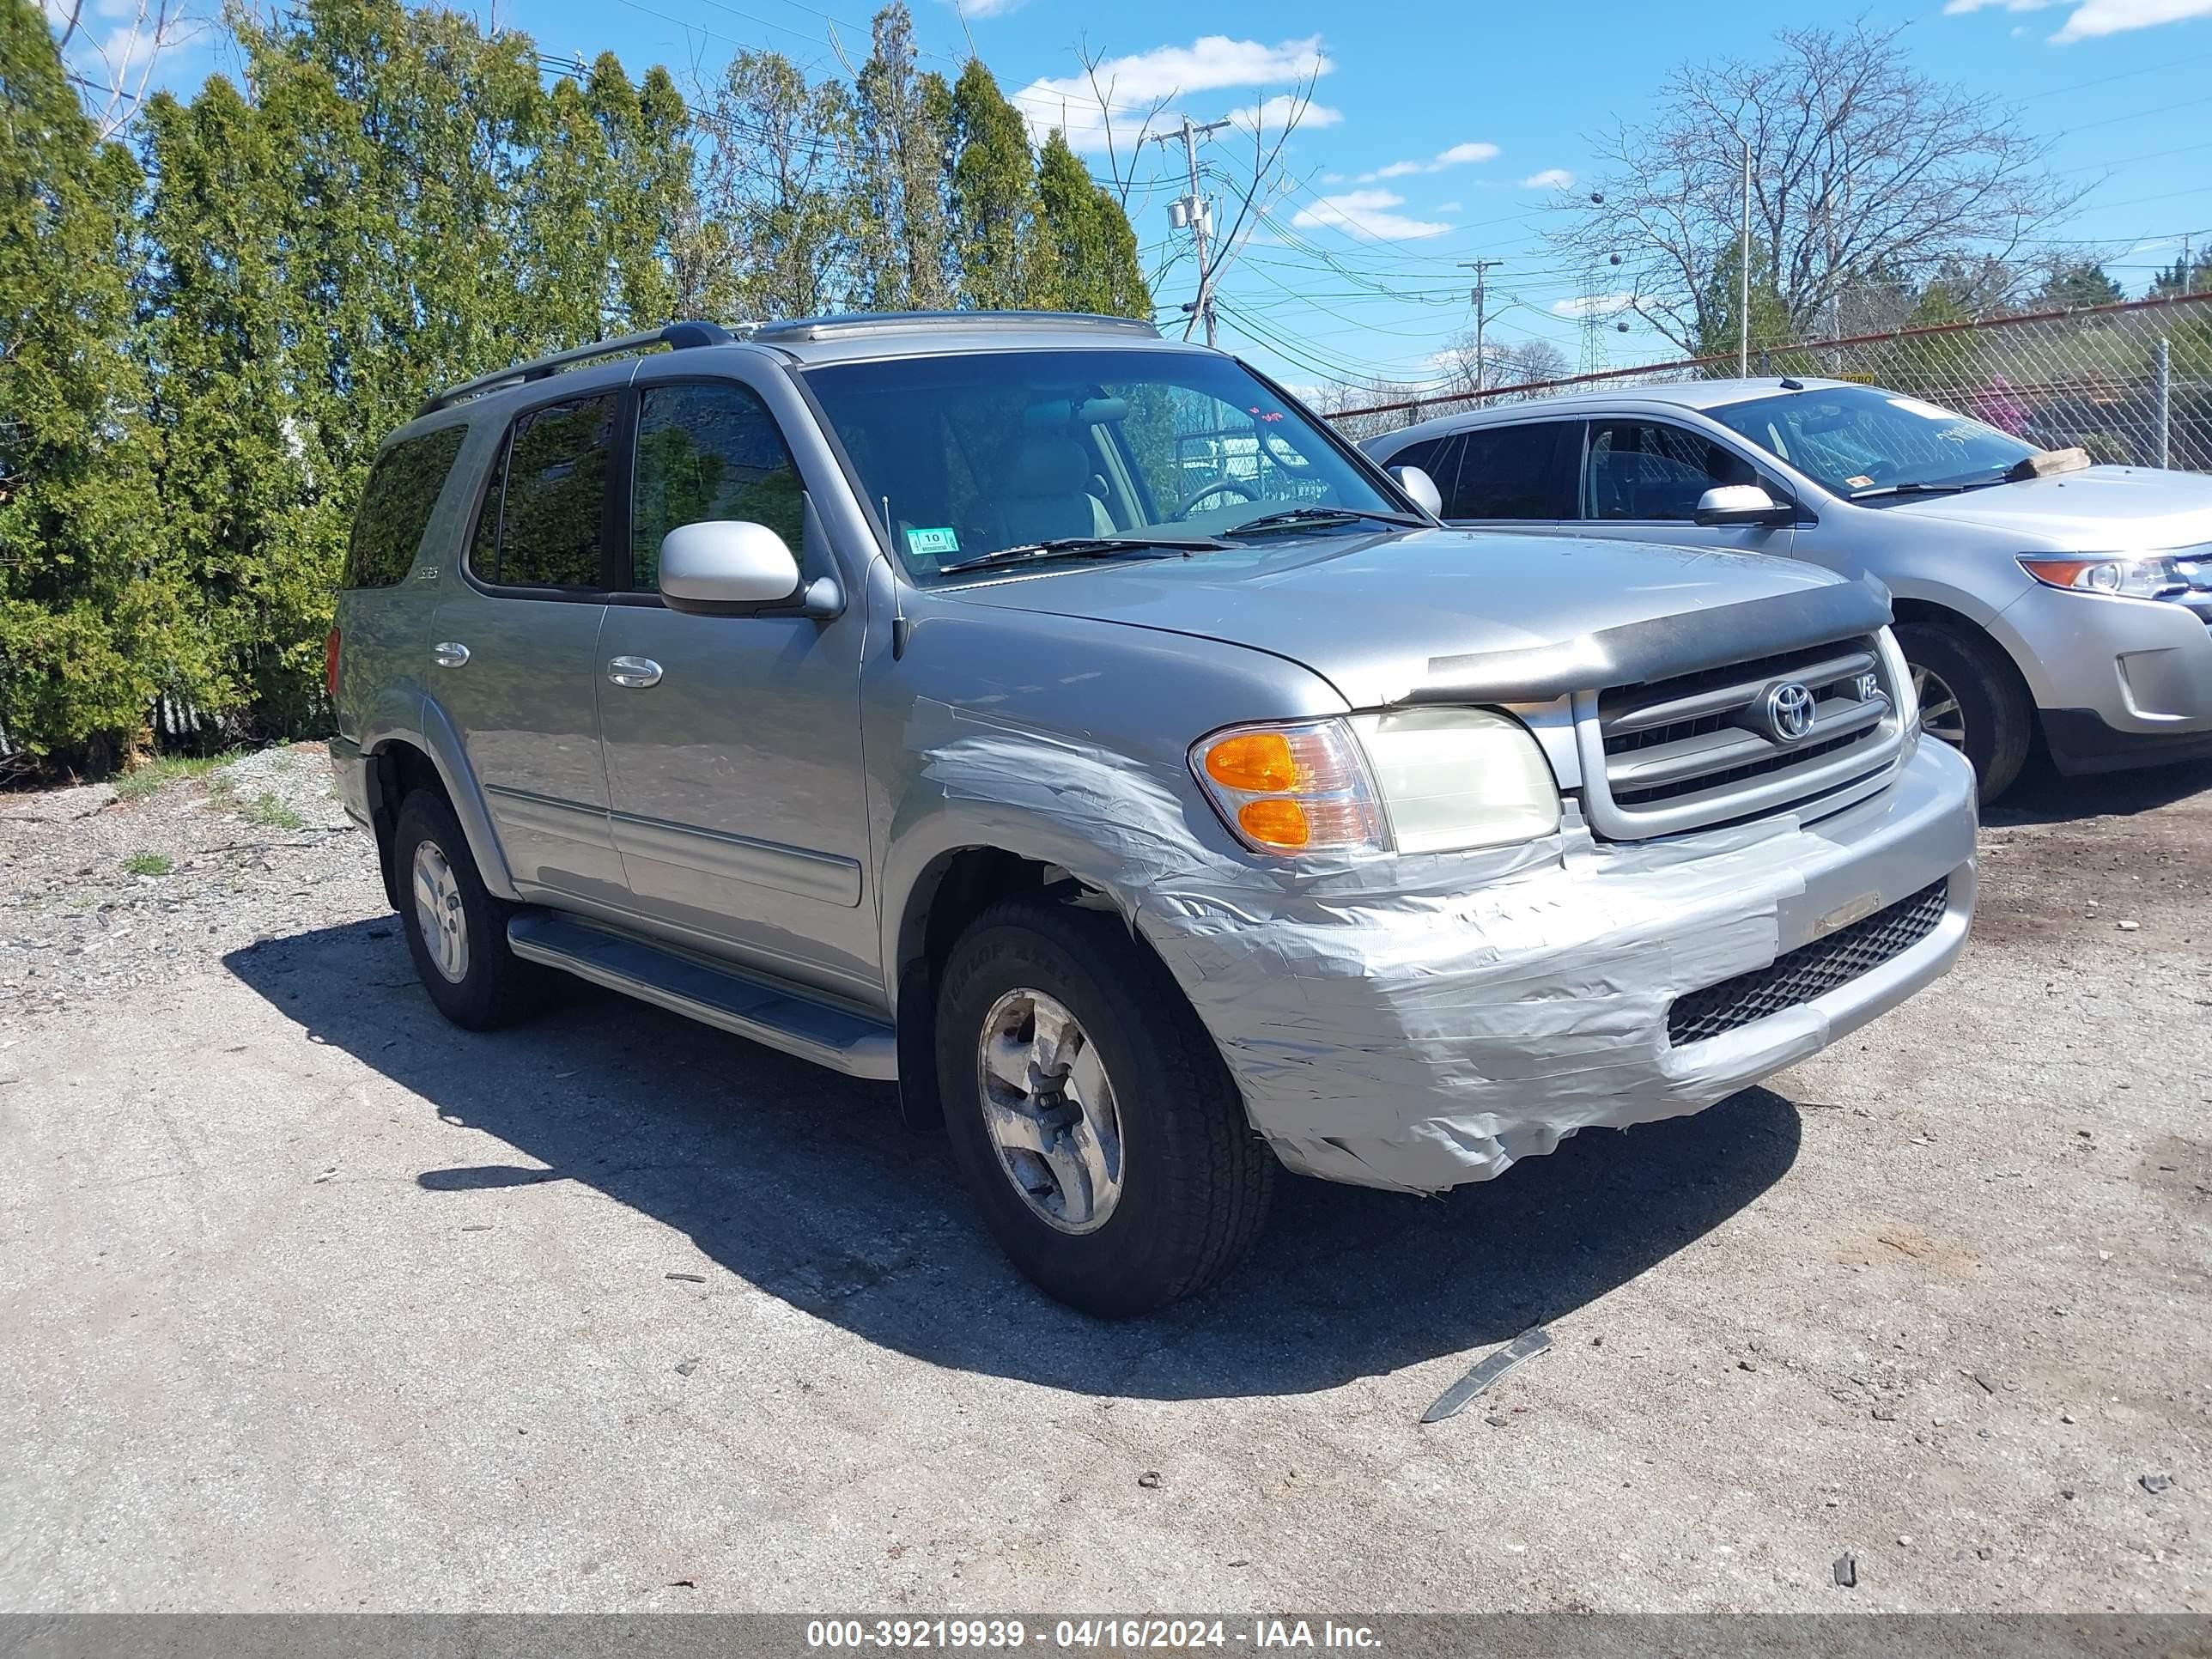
{"x": 1194, "y": 1181}
{"x": 496, "y": 988}
{"x": 1999, "y": 718}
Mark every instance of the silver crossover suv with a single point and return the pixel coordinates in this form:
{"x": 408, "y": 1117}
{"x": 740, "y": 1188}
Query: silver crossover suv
{"x": 1066, "y": 725}
{"x": 2034, "y": 593}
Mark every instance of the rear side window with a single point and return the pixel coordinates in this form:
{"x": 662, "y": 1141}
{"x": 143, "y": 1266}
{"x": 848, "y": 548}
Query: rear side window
{"x": 1515, "y": 472}
{"x": 543, "y": 519}
{"x": 709, "y": 452}
{"x": 396, "y": 504}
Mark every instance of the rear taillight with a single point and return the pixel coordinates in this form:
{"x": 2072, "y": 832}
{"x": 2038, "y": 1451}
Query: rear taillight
{"x": 330, "y": 665}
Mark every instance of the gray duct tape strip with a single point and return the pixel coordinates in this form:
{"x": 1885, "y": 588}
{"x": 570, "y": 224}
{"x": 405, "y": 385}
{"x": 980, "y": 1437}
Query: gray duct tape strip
{"x": 1412, "y": 1022}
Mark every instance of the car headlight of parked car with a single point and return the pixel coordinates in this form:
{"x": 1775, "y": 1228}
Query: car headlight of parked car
{"x": 1408, "y": 780}
{"x": 2135, "y": 576}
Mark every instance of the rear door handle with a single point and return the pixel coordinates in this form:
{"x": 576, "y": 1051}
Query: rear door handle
{"x": 449, "y": 653}
{"x": 633, "y": 671}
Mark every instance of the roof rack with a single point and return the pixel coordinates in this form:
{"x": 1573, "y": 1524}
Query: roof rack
{"x": 677, "y": 336}
{"x": 866, "y": 322}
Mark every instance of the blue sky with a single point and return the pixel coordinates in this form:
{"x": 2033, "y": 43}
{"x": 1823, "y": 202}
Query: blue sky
{"x": 1438, "y": 133}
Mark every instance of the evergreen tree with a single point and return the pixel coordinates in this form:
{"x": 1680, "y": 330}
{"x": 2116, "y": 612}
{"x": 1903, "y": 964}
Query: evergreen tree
{"x": 2074, "y": 283}
{"x": 1719, "y": 332}
{"x": 1093, "y": 246}
{"x": 2182, "y": 277}
{"x": 90, "y": 624}
{"x": 1006, "y": 263}
{"x": 900, "y": 178}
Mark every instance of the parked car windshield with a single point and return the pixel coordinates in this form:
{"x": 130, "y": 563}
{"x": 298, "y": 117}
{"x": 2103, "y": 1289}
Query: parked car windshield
{"x": 969, "y": 454}
{"x": 1856, "y": 440}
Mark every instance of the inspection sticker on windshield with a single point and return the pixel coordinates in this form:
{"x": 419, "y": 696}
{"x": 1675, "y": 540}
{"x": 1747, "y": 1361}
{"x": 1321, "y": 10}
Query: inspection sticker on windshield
{"x": 944, "y": 540}
{"x": 1858, "y": 481}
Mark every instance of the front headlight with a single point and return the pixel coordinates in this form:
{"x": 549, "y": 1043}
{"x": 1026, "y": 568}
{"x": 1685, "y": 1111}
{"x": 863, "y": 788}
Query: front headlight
{"x": 2149, "y": 576}
{"x": 1412, "y": 780}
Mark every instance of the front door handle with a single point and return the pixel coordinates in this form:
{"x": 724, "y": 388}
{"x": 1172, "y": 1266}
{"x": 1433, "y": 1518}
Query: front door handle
{"x": 449, "y": 653}
{"x": 633, "y": 671}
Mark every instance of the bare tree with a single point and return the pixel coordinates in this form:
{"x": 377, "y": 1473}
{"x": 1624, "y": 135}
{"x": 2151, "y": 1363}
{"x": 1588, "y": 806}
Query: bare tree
{"x": 1248, "y": 185}
{"x": 1863, "y": 171}
{"x": 1505, "y": 364}
{"x": 114, "y": 72}
{"x": 1124, "y": 177}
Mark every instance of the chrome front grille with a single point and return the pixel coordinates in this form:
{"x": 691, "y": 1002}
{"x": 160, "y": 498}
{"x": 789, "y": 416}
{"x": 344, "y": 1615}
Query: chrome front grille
{"x": 1808, "y": 730}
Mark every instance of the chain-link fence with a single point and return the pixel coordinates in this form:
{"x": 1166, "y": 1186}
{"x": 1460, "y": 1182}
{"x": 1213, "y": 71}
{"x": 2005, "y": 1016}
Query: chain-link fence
{"x": 2129, "y": 383}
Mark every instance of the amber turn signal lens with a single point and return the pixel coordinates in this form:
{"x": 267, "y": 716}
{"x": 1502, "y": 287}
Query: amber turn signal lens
{"x": 1275, "y": 823}
{"x": 1259, "y": 761}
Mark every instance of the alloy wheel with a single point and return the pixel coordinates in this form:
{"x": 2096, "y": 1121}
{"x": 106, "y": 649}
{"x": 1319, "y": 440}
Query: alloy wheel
{"x": 1050, "y": 1110}
{"x": 439, "y": 916}
{"x": 1942, "y": 716}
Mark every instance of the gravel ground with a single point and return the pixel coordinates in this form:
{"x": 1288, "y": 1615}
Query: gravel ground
{"x": 311, "y": 1302}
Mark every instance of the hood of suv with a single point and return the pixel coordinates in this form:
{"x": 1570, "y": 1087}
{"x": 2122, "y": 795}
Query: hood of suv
{"x": 1378, "y": 616}
{"x": 2100, "y": 509}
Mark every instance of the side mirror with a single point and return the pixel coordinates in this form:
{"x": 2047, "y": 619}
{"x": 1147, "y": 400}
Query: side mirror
{"x": 718, "y": 564}
{"x": 1738, "y": 504}
{"x": 1421, "y": 486}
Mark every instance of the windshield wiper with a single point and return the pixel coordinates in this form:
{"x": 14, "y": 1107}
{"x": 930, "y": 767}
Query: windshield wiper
{"x": 1948, "y": 487}
{"x": 1291, "y": 518}
{"x": 1910, "y": 490}
{"x": 1084, "y": 547}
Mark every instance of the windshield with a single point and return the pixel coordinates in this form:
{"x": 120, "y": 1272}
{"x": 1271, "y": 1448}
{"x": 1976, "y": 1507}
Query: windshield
{"x": 969, "y": 454}
{"x": 1855, "y": 439}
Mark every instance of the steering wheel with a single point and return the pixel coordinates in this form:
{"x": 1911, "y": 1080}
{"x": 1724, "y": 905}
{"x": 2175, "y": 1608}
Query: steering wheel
{"x": 1224, "y": 481}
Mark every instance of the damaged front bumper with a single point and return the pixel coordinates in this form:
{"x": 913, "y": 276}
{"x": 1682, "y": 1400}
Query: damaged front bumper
{"x": 1424, "y": 1025}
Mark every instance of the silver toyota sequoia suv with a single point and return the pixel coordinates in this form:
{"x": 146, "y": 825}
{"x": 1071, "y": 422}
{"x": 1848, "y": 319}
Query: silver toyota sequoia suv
{"x": 1067, "y": 724}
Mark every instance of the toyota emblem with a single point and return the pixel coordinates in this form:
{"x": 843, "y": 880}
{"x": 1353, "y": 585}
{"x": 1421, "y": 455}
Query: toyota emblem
{"x": 1789, "y": 710}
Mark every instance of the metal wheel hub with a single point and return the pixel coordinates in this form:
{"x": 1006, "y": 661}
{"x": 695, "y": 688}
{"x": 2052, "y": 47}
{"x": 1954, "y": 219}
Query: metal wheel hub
{"x": 439, "y": 916}
{"x": 1942, "y": 715}
{"x": 1050, "y": 1110}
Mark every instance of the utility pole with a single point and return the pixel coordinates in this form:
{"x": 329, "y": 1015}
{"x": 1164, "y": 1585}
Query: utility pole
{"x": 1743, "y": 278}
{"x": 1195, "y": 213}
{"x": 1479, "y": 266}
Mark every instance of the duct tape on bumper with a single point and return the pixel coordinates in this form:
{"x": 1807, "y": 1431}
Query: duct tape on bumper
{"x": 1416, "y": 1023}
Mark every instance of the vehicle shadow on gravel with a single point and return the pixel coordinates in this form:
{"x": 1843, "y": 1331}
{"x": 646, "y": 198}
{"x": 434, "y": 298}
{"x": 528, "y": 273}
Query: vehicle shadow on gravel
{"x": 807, "y": 1185}
{"x": 2042, "y": 796}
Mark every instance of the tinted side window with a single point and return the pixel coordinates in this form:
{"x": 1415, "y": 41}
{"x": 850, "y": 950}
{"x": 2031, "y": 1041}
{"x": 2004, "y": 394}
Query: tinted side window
{"x": 709, "y": 452}
{"x": 555, "y": 501}
{"x": 1515, "y": 472}
{"x": 396, "y": 504}
{"x": 1649, "y": 469}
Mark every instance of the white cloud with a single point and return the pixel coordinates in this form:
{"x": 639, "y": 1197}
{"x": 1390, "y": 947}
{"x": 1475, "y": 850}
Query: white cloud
{"x": 1595, "y": 305}
{"x": 984, "y": 8}
{"x": 1448, "y": 207}
{"x": 1271, "y": 115}
{"x": 2101, "y": 17}
{"x": 1134, "y": 84}
{"x": 1549, "y": 178}
{"x": 1366, "y": 214}
{"x": 1457, "y": 155}
{"x": 2092, "y": 18}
